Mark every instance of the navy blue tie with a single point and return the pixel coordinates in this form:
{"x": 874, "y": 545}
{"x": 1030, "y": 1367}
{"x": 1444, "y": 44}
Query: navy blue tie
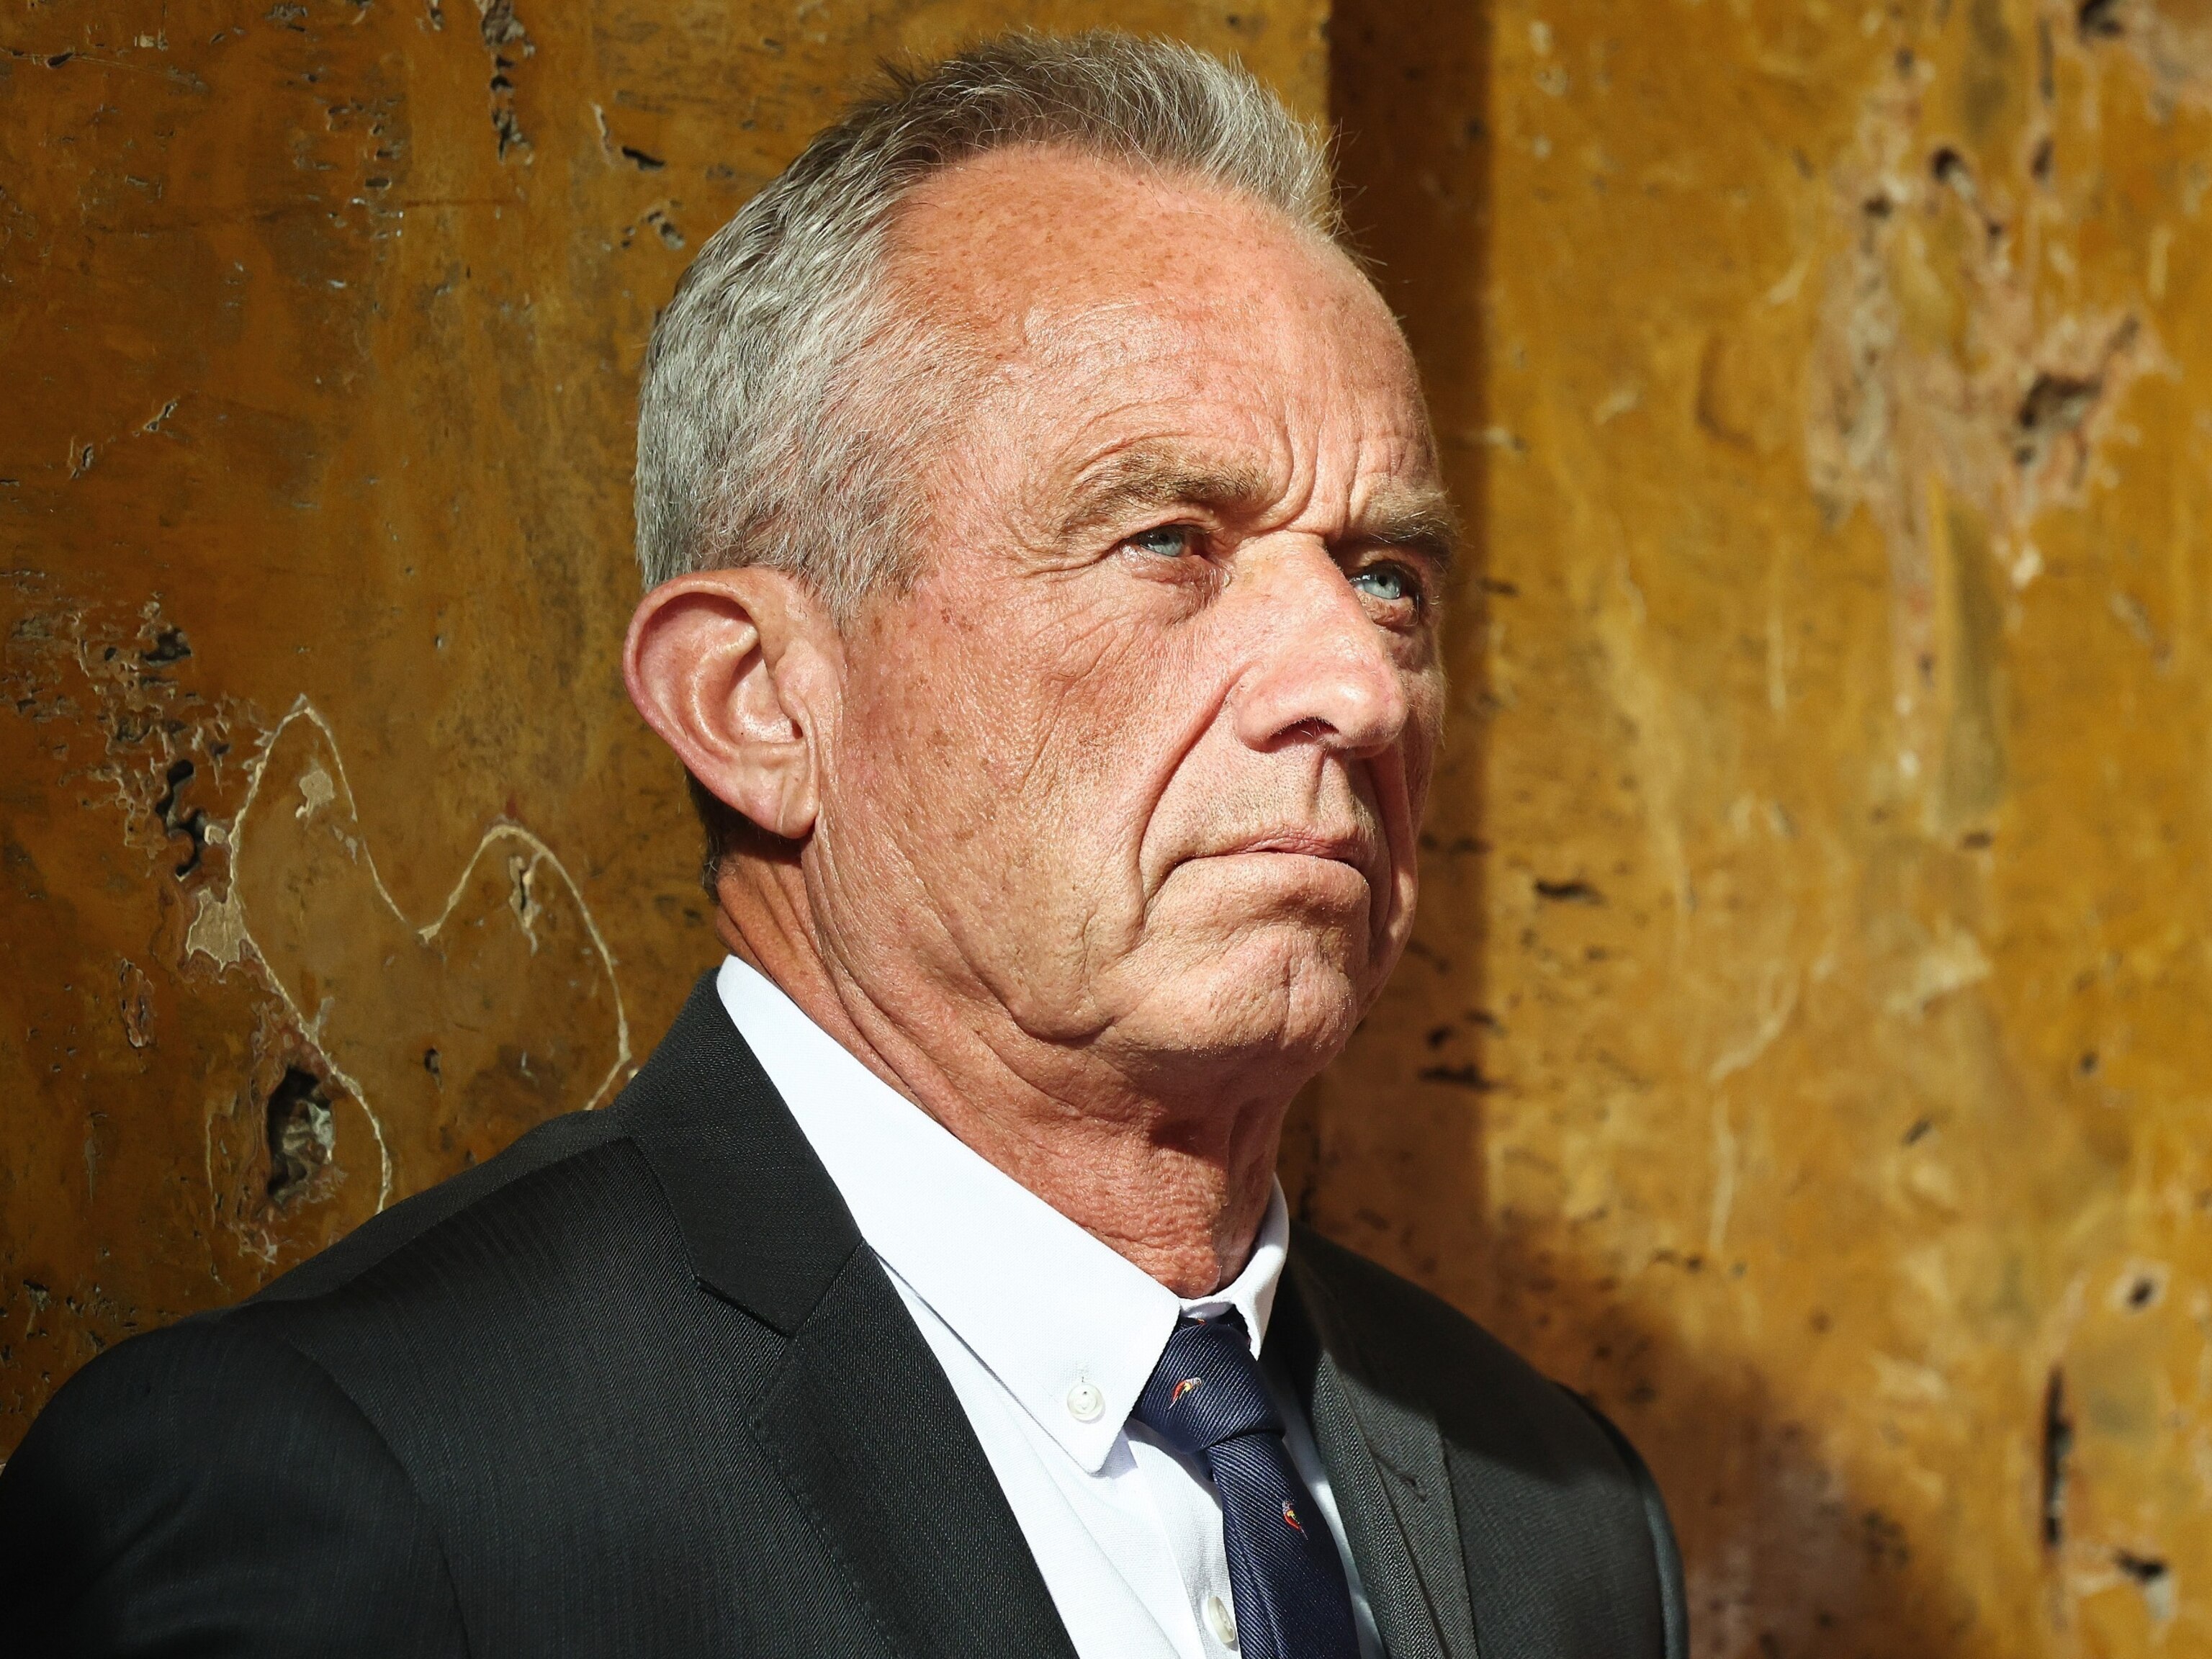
{"x": 1208, "y": 1401}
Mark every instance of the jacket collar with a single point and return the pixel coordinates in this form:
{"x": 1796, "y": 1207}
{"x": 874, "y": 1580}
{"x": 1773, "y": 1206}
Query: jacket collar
{"x": 1046, "y": 1306}
{"x": 763, "y": 1223}
{"x": 1387, "y": 1466}
{"x": 856, "y": 1418}
{"x": 767, "y": 1230}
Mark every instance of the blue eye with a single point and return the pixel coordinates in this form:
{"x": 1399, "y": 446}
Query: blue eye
{"x": 1390, "y": 583}
{"x": 1167, "y": 541}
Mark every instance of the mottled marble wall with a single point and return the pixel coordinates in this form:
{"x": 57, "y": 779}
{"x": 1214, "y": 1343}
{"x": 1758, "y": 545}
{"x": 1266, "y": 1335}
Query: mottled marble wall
{"x": 332, "y": 856}
{"x": 1808, "y": 1048}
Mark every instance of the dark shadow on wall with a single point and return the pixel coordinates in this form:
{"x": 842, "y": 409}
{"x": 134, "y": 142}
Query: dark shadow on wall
{"x": 1782, "y": 1560}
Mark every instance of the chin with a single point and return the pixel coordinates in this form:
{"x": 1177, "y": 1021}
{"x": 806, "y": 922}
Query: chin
{"x": 1276, "y": 1001}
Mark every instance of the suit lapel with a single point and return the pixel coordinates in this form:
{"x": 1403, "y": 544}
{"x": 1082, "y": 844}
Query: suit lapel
{"x": 762, "y": 1221}
{"x": 871, "y": 1440}
{"x": 1386, "y": 1466}
{"x": 866, "y": 1433}
{"x": 858, "y": 1418}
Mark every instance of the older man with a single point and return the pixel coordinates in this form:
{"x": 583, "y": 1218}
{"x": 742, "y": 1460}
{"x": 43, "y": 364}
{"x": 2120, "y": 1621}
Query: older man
{"x": 1045, "y": 555}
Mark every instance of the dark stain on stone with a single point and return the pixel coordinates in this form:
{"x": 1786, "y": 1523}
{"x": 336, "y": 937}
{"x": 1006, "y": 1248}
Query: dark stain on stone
{"x": 300, "y": 1135}
{"x": 2058, "y": 1447}
{"x": 1884, "y": 1541}
{"x": 2099, "y": 20}
{"x": 177, "y": 821}
{"x": 2055, "y": 405}
{"x": 2145, "y": 1570}
{"x": 169, "y": 646}
{"x": 1568, "y": 893}
{"x": 1469, "y": 1077}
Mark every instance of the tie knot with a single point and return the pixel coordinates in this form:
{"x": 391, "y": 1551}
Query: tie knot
{"x": 1207, "y": 1387}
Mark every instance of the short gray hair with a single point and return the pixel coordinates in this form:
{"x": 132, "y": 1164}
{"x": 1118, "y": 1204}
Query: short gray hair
{"x": 762, "y": 438}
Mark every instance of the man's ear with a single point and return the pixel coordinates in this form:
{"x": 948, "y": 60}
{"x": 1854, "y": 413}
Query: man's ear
{"x": 738, "y": 669}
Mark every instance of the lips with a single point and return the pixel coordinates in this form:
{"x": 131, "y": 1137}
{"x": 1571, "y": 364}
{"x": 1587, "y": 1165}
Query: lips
{"x": 1345, "y": 847}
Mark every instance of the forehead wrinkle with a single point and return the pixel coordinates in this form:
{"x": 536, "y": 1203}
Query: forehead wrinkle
{"x": 1082, "y": 343}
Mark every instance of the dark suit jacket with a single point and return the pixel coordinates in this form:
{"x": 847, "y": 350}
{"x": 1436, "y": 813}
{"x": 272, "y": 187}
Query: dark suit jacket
{"x": 637, "y": 1387}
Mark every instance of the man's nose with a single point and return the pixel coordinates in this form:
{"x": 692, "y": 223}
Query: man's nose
{"x": 1323, "y": 669}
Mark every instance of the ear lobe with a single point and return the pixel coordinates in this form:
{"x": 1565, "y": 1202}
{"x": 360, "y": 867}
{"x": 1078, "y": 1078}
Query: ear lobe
{"x": 724, "y": 665}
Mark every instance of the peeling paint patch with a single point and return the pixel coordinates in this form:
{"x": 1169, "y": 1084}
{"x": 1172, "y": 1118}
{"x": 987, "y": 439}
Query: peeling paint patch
{"x": 316, "y": 791}
{"x": 218, "y": 929}
{"x": 161, "y": 744}
{"x": 301, "y": 1135}
{"x": 135, "y": 999}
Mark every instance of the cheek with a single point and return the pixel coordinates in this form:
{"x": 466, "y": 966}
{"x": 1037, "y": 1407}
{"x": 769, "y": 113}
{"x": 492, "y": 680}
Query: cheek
{"x": 1021, "y": 727}
{"x": 1426, "y": 697}
{"x": 1072, "y": 669}
{"x": 907, "y": 774}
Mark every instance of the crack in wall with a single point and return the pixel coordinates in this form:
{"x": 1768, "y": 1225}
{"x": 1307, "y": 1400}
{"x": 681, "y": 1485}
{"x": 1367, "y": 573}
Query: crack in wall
{"x": 313, "y": 897}
{"x": 274, "y": 878}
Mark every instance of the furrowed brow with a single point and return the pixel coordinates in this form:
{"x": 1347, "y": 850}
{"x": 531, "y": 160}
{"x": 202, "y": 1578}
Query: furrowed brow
{"x": 1150, "y": 481}
{"x": 1419, "y": 518}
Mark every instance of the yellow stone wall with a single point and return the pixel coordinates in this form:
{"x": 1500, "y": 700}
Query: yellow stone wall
{"x": 1806, "y": 1049}
{"x": 331, "y": 856}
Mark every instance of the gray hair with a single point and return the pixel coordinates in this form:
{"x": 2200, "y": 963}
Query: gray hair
{"x": 773, "y": 426}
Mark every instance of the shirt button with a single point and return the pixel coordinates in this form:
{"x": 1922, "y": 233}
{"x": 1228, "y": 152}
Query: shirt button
{"x": 1220, "y": 1621}
{"x": 1085, "y": 1402}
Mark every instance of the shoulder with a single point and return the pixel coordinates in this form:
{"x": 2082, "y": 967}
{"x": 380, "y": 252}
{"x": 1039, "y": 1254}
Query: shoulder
{"x": 508, "y": 1189}
{"x": 479, "y": 1313}
{"x": 1549, "y": 1492}
{"x": 208, "y": 1487}
{"x": 230, "y": 1482}
{"x": 1416, "y": 1340}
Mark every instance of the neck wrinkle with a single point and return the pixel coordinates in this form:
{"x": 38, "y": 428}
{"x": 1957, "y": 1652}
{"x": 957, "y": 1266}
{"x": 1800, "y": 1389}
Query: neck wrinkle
{"x": 1185, "y": 1207}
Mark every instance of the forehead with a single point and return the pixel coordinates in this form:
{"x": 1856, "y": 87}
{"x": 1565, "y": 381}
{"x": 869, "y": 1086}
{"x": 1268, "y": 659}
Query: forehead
{"x": 1107, "y": 306}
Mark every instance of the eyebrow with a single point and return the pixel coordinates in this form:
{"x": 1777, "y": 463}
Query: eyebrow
{"x": 1416, "y": 517}
{"x": 1140, "y": 481}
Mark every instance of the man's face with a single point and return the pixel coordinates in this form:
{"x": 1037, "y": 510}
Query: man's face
{"x": 1140, "y": 755}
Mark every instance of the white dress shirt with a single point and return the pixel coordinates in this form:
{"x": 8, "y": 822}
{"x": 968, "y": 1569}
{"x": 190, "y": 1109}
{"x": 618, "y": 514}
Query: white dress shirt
{"x": 1047, "y": 1337}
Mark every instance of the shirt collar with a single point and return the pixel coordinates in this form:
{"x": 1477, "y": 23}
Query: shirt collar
{"x": 1047, "y": 1308}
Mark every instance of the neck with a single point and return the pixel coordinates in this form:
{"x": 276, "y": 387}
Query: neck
{"x": 1175, "y": 1179}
